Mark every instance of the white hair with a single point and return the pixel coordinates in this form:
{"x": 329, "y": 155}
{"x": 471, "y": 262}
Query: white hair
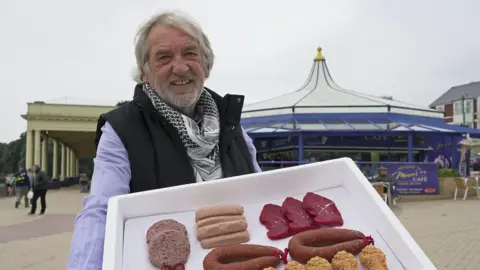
{"x": 176, "y": 20}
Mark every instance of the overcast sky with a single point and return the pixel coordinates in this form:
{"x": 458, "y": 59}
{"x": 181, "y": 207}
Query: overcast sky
{"x": 82, "y": 51}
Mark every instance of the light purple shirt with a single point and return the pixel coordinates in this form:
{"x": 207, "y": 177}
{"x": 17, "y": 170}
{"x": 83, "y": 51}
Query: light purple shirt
{"x": 111, "y": 177}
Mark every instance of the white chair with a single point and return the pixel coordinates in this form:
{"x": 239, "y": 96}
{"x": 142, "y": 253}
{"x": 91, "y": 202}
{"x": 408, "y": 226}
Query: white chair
{"x": 477, "y": 186}
{"x": 394, "y": 200}
{"x": 379, "y": 187}
{"x": 464, "y": 184}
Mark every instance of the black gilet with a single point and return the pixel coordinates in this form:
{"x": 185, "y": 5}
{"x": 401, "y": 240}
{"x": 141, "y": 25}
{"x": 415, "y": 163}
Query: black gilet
{"x": 156, "y": 153}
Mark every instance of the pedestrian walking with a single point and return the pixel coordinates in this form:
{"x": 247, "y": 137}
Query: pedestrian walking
{"x": 40, "y": 187}
{"x": 22, "y": 184}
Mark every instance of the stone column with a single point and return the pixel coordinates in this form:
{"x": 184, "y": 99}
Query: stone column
{"x": 29, "y": 150}
{"x": 55, "y": 160}
{"x": 72, "y": 164}
{"x": 77, "y": 168}
{"x": 70, "y": 154}
{"x": 44, "y": 162}
{"x": 63, "y": 161}
{"x": 67, "y": 165}
{"x": 36, "y": 160}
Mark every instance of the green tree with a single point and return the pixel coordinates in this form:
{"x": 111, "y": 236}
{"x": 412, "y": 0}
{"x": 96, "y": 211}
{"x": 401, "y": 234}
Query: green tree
{"x": 12, "y": 155}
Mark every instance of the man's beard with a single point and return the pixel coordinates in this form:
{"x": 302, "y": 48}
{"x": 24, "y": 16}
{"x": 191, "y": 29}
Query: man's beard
{"x": 183, "y": 103}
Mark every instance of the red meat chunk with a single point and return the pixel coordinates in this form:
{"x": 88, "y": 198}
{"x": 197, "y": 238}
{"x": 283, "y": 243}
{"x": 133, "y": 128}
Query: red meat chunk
{"x": 299, "y": 219}
{"x": 272, "y": 218}
{"x": 324, "y": 210}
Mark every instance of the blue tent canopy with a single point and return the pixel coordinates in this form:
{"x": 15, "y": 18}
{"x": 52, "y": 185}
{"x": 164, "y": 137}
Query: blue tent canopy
{"x": 340, "y": 123}
{"x": 322, "y": 107}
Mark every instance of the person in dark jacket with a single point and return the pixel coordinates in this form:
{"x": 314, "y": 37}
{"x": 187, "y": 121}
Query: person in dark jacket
{"x": 22, "y": 183}
{"x": 174, "y": 132}
{"x": 41, "y": 183}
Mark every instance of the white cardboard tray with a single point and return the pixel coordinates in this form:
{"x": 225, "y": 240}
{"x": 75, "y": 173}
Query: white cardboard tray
{"x": 129, "y": 216}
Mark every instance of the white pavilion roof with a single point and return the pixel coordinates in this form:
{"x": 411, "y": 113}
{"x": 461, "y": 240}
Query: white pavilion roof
{"x": 320, "y": 94}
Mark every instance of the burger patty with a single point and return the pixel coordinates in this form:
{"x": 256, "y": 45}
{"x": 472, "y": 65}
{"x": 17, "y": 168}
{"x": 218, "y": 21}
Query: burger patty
{"x": 166, "y": 224}
{"x": 168, "y": 248}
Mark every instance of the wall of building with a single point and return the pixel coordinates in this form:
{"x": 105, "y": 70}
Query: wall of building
{"x": 454, "y": 113}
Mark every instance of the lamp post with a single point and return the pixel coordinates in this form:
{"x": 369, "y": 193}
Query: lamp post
{"x": 463, "y": 107}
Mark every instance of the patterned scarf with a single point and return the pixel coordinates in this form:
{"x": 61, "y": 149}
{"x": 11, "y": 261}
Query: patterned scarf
{"x": 201, "y": 141}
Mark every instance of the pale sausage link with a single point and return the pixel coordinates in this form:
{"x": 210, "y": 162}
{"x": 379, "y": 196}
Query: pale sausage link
{"x": 214, "y": 220}
{"x": 218, "y": 210}
{"x": 226, "y": 239}
{"x": 221, "y": 229}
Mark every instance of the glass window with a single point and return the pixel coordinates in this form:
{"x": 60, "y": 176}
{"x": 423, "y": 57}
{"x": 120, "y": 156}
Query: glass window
{"x": 457, "y": 107}
{"x": 312, "y": 126}
{"x": 336, "y": 124}
{"x": 389, "y": 126}
{"x": 468, "y": 106}
{"x": 359, "y": 124}
{"x": 440, "y": 108}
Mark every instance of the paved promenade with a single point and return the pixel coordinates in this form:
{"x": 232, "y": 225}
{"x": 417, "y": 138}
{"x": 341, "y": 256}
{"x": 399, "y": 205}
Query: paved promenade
{"x": 448, "y": 231}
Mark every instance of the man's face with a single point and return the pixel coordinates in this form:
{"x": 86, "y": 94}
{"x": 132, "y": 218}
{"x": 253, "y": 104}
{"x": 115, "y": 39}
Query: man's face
{"x": 175, "y": 67}
{"x": 383, "y": 172}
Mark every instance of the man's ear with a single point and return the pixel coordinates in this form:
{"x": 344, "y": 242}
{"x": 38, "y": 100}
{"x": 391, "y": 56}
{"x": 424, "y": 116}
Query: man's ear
{"x": 207, "y": 72}
{"x": 145, "y": 78}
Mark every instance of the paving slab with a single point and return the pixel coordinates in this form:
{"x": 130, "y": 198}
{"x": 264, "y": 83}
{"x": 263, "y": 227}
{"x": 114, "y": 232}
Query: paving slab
{"x": 448, "y": 231}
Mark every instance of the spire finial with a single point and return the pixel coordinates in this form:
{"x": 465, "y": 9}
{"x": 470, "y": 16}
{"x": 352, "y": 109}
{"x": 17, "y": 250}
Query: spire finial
{"x": 319, "y": 55}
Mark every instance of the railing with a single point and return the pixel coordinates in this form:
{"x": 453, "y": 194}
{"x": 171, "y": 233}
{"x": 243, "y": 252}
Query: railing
{"x": 272, "y": 165}
{"x": 409, "y": 178}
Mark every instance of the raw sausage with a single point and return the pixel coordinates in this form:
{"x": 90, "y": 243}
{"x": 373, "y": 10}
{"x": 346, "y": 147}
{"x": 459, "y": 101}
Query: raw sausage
{"x": 215, "y": 220}
{"x": 242, "y": 257}
{"x": 226, "y": 239}
{"x": 325, "y": 243}
{"x": 218, "y": 210}
{"x": 221, "y": 229}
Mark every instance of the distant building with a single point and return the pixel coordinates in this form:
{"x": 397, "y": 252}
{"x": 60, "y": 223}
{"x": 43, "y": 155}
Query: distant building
{"x": 450, "y": 103}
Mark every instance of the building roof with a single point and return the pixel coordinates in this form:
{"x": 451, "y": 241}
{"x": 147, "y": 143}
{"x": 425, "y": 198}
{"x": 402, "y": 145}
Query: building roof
{"x": 320, "y": 94}
{"x": 79, "y": 101}
{"x": 470, "y": 90}
{"x": 340, "y": 124}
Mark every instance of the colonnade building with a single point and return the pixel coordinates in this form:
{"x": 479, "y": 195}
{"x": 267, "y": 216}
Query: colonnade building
{"x": 71, "y": 130}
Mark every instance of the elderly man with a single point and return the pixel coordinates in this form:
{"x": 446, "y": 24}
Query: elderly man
{"x": 41, "y": 184}
{"x": 174, "y": 132}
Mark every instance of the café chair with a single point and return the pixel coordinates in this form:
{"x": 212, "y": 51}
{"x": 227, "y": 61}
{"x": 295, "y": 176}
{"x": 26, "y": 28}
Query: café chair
{"x": 465, "y": 185}
{"x": 380, "y": 188}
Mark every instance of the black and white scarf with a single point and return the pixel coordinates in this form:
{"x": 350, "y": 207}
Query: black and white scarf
{"x": 201, "y": 142}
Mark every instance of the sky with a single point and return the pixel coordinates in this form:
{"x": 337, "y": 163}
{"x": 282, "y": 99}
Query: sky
{"x": 82, "y": 51}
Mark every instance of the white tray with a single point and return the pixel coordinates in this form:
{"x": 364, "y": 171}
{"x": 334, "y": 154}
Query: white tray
{"x": 129, "y": 216}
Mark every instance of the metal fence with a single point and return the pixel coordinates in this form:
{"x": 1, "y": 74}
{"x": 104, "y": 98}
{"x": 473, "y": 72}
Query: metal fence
{"x": 369, "y": 169}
